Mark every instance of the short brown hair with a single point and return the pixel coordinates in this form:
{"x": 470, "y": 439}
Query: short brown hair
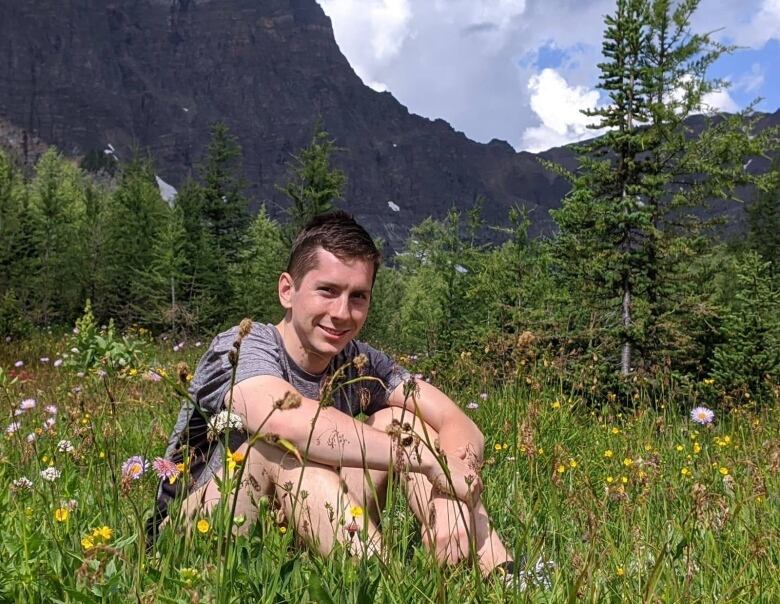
{"x": 336, "y": 232}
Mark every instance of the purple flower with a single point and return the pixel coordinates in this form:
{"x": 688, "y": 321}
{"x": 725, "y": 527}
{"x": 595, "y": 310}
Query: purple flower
{"x": 134, "y": 467}
{"x": 702, "y": 415}
{"x": 151, "y": 376}
{"x": 165, "y": 469}
{"x": 27, "y": 404}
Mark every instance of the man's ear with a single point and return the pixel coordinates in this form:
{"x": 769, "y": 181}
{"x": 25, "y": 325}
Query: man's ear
{"x": 286, "y": 286}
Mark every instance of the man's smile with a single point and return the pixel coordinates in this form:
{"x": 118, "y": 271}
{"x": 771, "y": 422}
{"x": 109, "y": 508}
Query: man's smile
{"x": 336, "y": 333}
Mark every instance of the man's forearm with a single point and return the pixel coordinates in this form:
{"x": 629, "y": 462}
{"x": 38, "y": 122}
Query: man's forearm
{"x": 458, "y": 437}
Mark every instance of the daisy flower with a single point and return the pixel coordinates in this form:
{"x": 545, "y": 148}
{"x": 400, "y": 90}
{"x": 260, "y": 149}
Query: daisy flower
{"x": 702, "y": 415}
{"x": 134, "y": 467}
{"x": 27, "y": 404}
{"x": 50, "y": 409}
{"x": 13, "y": 427}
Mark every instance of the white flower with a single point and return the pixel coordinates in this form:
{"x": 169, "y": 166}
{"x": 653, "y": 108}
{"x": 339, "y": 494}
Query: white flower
{"x": 472, "y": 405}
{"x": 31, "y": 437}
{"x": 44, "y": 359}
{"x": 65, "y": 446}
{"x": 22, "y": 484}
{"x": 222, "y": 421}
{"x": 27, "y": 404}
{"x": 74, "y": 350}
{"x": 702, "y": 415}
{"x": 50, "y": 409}
{"x": 50, "y": 421}
{"x": 198, "y": 344}
{"x": 19, "y": 364}
{"x": 13, "y": 427}
{"x": 58, "y": 363}
{"x": 50, "y": 474}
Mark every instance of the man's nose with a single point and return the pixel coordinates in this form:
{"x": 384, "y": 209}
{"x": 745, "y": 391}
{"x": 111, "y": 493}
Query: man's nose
{"x": 340, "y": 308}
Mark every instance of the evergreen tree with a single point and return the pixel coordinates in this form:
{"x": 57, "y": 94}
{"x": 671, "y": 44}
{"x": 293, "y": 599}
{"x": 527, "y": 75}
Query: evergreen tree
{"x": 314, "y": 185}
{"x": 627, "y": 237}
{"x": 764, "y": 221}
{"x": 224, "y": 208}
{"x": 254, "y": 277}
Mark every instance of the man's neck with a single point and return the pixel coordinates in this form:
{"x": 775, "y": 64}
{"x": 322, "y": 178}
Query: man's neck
{"x": 308, "y": 360}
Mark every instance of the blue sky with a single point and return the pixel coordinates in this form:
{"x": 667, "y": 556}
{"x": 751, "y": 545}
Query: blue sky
{"x": 520, "y": 70}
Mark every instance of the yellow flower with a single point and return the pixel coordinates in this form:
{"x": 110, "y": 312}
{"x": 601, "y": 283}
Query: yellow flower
{"x": 105, "y": 533}
{"x": 608, "y": 453}
{"x": 724, "y": 471}
{"x": 87, "y": 542}
{"x": 624, "y": 479}
{"x": 685, "y": 472}
{"x": 203, "y": 525}
{"x": 356, "y": 511}
{"x": 541, "y": 451}
{"x": 45, "y": 459}
{"x": 561, "y": 469}
{"x": 648, "y": 447}
{"x": 572, "y": 463}
{"x": 556, "y": 404}
{"x": 234, "y": 459}
{"x": 133, "y": 372}
{"x": 505, "y": 446}
{"x": 696, "y": 448}
{"x": 680, "y": 448}
{"x": 610, "y": 479}
{"x": 628, "y": 462}
{"x": 61, "y": 514}
{"x": 642, "y": 474}
{"x": 497, "y": 446}
{"x": 102, "y": 455}
{"x": 620, "y": 571}
{"x": 282, "y": 529}
{"x": 615, "y": 430}
{"x": 709, "y": 381}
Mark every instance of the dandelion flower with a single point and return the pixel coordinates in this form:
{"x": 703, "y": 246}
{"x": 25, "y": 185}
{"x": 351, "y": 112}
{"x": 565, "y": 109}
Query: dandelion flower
{"x": 203, "y": 525}
{"x": 356, "y": 511}
{"x": 50, "y": 474}
{"x": 87, "y": 542}
{"x": 104, "y": 532}
{"x": 134, "y": 467}
{"x": 166, "y": 469}
{"x": 61, "y": 514}
{"x": 702, "y": 415}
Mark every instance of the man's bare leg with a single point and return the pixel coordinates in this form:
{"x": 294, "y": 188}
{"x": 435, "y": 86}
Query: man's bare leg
{"x": 446, "y": 523}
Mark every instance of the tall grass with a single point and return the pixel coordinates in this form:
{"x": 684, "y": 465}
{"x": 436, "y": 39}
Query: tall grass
{"x": 639, "y": 506}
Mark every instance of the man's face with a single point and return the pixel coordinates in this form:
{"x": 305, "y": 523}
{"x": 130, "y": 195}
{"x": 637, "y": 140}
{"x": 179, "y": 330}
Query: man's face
{"x": 330, "y": 304}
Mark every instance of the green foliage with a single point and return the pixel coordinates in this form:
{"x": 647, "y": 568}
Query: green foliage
{"x": 764, "y": 219}
{"x": 314, "y": 184}
{"x": 92, "y": 347}
{"x": 254, "y": 277}
{"x": 748, "y": 358}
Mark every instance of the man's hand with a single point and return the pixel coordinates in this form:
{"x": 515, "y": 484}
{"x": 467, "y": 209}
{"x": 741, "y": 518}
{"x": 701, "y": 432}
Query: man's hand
{"x": 463, "y": 481}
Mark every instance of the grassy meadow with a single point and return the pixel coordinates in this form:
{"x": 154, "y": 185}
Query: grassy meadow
{"x": 641, "y": 505}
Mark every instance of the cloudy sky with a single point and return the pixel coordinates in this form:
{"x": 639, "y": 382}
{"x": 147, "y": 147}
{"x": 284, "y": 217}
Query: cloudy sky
{"x": 520, "y": 70}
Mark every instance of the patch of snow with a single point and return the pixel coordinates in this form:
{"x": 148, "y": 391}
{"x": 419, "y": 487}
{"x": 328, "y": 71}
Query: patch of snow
{"x": 394, "y": 145}
{"x": 185, "y": 109}
{"x": 167, "y": 192}
{"x": 393, "y": 206}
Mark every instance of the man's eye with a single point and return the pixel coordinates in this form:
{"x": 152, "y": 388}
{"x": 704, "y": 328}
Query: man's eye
{"x": 327, "y": 290}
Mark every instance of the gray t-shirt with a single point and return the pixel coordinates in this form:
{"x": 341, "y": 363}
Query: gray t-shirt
{"x": 262, "y": 352}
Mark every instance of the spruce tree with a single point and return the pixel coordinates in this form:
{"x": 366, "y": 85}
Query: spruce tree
{"x": 764, "y": 222}
{"x": 314, "y": 184}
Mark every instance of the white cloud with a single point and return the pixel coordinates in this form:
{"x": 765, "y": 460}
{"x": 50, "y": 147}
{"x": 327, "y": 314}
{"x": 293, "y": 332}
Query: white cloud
{"x": 558, "y": 105}
{"x": 752, "y": 81}
{"x": 764, "y": 26}
{"x": 720, "y": 100}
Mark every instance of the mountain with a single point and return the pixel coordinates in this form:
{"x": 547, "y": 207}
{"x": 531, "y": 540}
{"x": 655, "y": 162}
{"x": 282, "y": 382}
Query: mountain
{"x": 88, "y": 75}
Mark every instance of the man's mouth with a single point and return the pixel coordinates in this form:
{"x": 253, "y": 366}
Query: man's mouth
{"x": 336, "y": 333}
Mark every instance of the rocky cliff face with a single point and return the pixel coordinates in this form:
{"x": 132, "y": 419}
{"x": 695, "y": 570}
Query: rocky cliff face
{"x": 83, "y": 74}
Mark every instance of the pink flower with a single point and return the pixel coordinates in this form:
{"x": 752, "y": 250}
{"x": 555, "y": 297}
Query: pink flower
{"x": 702, "y": 415}
{"x": 49, "y": 423}
{"x": 165, "y": 469}
{"x": 151, "y": 376}
{"x": 27, "y": 404}
{"x": 19, "y": 364}
{"x": 13, "y": 427}
{"x": 50, "y": 409}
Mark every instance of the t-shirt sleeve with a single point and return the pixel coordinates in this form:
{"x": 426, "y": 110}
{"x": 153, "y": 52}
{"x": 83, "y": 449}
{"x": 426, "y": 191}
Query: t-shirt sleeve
{"x": 383, "y": 367}
{"x": 258, "y": 355}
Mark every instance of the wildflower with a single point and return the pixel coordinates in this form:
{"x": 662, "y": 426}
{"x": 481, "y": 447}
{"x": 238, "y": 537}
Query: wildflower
{"x": 709, "y": 381}
{"x": 615, "y": 430}
{"x": 50, "y": 409}
{"x": 702, "y": 415}
{"x": 31, "y": 437}
{"x": 50, "y": 474}
{"x": 188, "y": 575}
{"x": 61, "y": 514}
{"x": 176, "y": 348}
{"x": 44, "y": 359}
{"x": 87, "y": 542}
{"x": 483, "y": 396}
{"x": 472, "y": 406}
{"x": 561, "y": 469}
{"x": 49, "y": 423}
{"x": 620, "y": 571}
{"x": 71, "y": 505}
{"x": 166, "y": 469}
{"x": 13, "y": 427}
{"x": 608, "y": 453}
{"x": 724, "y": 471}
{"x": 610, "y": 480}
{"x": 134, "y": 467}
{"x": 19, "y": 364}
{"x": 572, "y": 463}
{"x": 497, "y": 446}
{"x": 628, "y": 462}
{"x": 198, "y": 344}
{"x": 696, "y": 448}
{"x": 58, "y": 363}
{"x": 203, "y": 526}
{"x": 679, "y": 448}
{"x": 152, "y": 376}
{"x": 234, "y": 459}
{"x": 356, "y": 511}
{"x": 65, "y": 446}
{"x": 685, "y": 472}
{"x": 282, "y": 529}
{"x": 223, "y": 421}
{"x": 104, "y": 532}
{"x": 556, "y": 404}
{"x": 22, "y": 484}
{"x": 27, "y": 404}
{"x": 624, "y": 479}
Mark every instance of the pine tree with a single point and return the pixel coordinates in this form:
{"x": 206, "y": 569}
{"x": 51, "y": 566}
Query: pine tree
{"x": 764, "y": 222}
{"x": 314, "y": 185}
{"x": 628, "y": 239}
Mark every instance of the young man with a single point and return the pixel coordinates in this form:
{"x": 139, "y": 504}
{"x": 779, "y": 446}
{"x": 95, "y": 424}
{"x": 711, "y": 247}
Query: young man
{"x": 304, "y": 380}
